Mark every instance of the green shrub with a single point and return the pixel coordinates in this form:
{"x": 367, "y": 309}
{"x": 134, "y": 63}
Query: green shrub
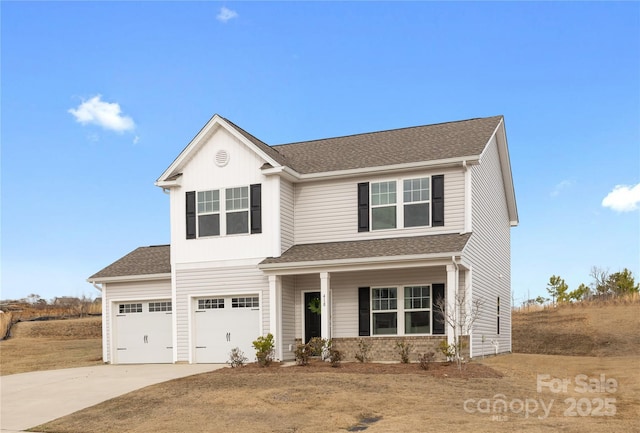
{"x": 448, "y": 350}
{"x": 404, "y": 349}
{"x": 264, "y": 349}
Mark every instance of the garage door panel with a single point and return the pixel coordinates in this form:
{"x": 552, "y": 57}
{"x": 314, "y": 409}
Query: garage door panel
{"x": 224, "y": 323}
{"x": 144, "y": 332}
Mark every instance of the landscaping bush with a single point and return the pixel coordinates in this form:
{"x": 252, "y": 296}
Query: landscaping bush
{"x": 362, "y": 354}
{"x": 404, "y": 349}
{"x": 236, "y": 358}
{"x": 264, "y": 349}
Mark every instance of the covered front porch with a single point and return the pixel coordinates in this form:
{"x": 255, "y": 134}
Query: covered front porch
{"x": 382, "y": 298}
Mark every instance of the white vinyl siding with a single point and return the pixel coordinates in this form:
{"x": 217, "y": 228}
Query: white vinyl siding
{"x": 489, "y": 251}
{"x": 213, "y": 281}
{"x": 115, "y": 293}
{"x": 286, "y": 215}
{"x": 326, "y": 211}
{"x": 201, "y": 174}
{"x": 344, "y": 292}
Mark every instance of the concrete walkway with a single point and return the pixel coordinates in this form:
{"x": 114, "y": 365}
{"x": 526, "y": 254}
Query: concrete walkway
{"x": 31, "y": 399}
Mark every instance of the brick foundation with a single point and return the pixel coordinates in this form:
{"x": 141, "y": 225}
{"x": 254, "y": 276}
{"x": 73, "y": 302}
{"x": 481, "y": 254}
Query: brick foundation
{"x": 384, "y": 349}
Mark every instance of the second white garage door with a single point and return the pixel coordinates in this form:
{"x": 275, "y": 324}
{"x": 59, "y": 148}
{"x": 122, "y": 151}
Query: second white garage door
{"x": 223, "y": 323}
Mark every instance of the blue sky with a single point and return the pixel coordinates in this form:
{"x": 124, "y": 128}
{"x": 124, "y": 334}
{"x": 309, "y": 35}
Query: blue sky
{"x": 98, "y": 98}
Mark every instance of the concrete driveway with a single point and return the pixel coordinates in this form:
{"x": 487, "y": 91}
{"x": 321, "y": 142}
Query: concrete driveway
{"x": 31, "y": 399}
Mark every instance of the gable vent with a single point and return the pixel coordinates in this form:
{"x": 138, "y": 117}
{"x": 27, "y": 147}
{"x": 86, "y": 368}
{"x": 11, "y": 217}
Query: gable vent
{"x": 222, "y": 158}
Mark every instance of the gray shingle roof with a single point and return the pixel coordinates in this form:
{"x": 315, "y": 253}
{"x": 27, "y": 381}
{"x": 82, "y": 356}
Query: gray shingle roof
{"x": 141, "y": 261}
{"x": 420, "y": 143}
{"x": 432, "y": 244}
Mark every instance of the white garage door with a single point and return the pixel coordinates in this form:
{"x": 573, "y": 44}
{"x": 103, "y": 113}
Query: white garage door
{"x": 223, "y": 323}
{"x": 143, "y": 332}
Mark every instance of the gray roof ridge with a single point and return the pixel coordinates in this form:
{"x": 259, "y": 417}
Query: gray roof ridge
{"x": 404, "y": 128}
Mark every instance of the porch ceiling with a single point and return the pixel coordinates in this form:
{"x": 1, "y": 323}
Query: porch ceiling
{"x": 374, "y": 250}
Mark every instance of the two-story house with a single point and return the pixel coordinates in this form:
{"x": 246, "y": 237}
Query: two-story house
{"x": 371, "y": 230}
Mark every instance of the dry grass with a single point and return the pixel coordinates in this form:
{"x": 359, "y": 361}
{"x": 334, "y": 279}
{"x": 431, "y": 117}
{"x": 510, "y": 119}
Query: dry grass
{"x": 52, "y": 344}
{"x": 404, "y": 397}
{"x": 6, "y": 320}
{"x": 303, "y": 399}
{"x": 579, "y": 329}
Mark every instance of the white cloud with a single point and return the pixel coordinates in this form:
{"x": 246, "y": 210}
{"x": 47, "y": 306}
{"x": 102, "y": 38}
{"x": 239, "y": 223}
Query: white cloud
{"x": 623, "y": 198}
{"x": 105, "y": 114}
{"x": 136, "y": 139}
{"x": 563, "y": 185}
{"x": 226, "y": 14}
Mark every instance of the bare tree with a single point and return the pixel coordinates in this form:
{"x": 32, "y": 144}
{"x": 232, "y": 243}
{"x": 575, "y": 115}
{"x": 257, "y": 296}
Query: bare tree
{"x": 459, "y": 315}
{"x": 601, "y": 280}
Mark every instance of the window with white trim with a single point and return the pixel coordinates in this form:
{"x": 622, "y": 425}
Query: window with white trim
{"x": 237, "y": 210}
{"x": 383, "y": 205}
{"x": 129, "y": 308}
{"x": 405, "y": 310}
{"x": 156, "y": 307}
{"x": 384, "y": 302}
{"x": 210, "y": 304}
{"x": 417, "y": 310}
{"x": 209, "y": 213}
{"x": 248, "y": 302}
{"x": 416, "y": 197}
{"x": 409, "y": 207}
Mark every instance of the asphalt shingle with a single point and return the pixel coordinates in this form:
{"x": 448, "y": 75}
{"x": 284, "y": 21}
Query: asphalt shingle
{"x": 399, "y": 146}
{"x": 430, "y": 244}
{"x": 141, "y": 261}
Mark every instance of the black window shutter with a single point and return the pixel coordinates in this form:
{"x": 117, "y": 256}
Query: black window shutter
{"x": 191, "y": 215}
{"x": 437, "y": 200}
{"x": 256, "y": 208}
{"x": 363, "y": 207}
{"x": 364, "y": 309}
{"x": 437, "y": 295}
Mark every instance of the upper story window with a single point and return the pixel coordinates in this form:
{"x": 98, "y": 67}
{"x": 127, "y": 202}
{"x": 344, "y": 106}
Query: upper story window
{"x": 383, "y": 205}
{"x": 416, "y": 202}
{"x": 237, "y": 207}
{"x": 412, "y": 202}
{"x": 209, "y": 213}
{"x": 241, "y": 208}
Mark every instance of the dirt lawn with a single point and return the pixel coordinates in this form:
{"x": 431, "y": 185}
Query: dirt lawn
{"x": 379, "y": 398}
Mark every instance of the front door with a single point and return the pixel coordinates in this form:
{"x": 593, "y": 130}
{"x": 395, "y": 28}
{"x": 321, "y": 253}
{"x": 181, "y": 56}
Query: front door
{"x": 311, "y": 315}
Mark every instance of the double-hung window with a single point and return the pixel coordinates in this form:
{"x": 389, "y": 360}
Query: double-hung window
{"x": 417, "y": 310}
{"x": 383, "y": 205}
{"x": 237, "y": 210}
{"x": 409, "y": 207}
{"x": 209, "y": 213}
{"x": 226, "y": 211}
{"x": 416, "y": 197}
{"x": 404, "y": 310}
{"x": 385, "y": 310}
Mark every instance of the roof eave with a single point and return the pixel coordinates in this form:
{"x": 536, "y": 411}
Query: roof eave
{"x": 360, "y": 263}
{"x": 389, "y": 169}
{"x": 125, "y": 278}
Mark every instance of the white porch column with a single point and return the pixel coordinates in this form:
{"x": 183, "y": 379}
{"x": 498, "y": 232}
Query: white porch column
{"x": 325, "y": 302}
{"x": 275, "y": 312}
{"x": 452, "y": 309}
